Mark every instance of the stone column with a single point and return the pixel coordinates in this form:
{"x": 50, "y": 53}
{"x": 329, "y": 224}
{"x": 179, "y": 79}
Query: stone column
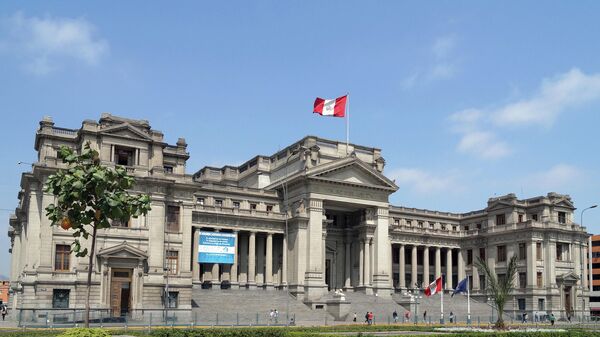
{"x": 367, "y": 267}
{"x": 449, "y": 268}
{"x": 252, "y": 259}
{"x": 461, "y": 265}
{"x": 585, "y": 269}
{"x": 284, "y": 263}
{"x": 324, "y": 254}
{"x": 577, "y": 259}
{"x": 438, "y": 262}
{"x": 371, "y": 262}
{"x": 361, "y": 264}
{"x": 195, "y": 264}
{"x": 216, "y": 277}
{"x": 243, "y": 278}
{"x": 233, "y": 271}
{"x": 426, "y": 266}
{"x": 402, "y": 267}
{"x": 347, "y": 266}
{"x": 475, "y": 276}
{"x": 269, "y": 262}
{"x": 413, "y": 267}
{"x": 531, "y": 264}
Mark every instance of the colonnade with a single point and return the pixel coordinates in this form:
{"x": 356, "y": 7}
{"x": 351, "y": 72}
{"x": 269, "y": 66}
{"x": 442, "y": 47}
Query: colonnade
{"x": 424, "y": 269}
{"x": 253, "y": 265}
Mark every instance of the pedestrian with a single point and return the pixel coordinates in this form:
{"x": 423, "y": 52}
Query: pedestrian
{"x": 552, "y": 319}
{"x": 425, "y": 316}
{"x": 524, "y": 318}
{"x": 3, "y": 311}
{"x": 271, "y": 316}
{"x": 354, "y": 319}
{"x": 276, "y": 316}
{"x": 407, "y": 316}
{"x": 367, "y": 317}
{"x": 395, "y": 316}
{"x": 569, "y": 317}
{"x": 451, "y": 317}
{"x": 371, "y": 316}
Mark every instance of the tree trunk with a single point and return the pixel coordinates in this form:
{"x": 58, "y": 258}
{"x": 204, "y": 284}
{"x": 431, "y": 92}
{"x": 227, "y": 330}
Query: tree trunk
{"x": 89, "y": 278}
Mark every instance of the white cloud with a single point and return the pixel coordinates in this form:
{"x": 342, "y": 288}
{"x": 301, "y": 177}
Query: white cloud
{"x": 483, "y": 144}
{"x": 560, "y": 176}
{"x": 555, "y": 96}
{"x": 46, "y": 43}
{"x": 442, "y": 66}
{"x": 423, "y": 182}
{"x": 443, "y": 46}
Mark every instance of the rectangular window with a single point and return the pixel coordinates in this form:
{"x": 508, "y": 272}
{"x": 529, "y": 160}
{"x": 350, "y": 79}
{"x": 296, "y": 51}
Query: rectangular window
{"x": 200, "y": 201}
{"x": 482, "y": 253}
{"x": 420, "y": 224}
{"x": 409, "y": 223}
{"x": 173, "y": 299}
{"x": 534, "y": 217}
{"x": 500, "y": 219}
{"x": 522, "y": 251}
{"x": 236, "y": 204}
{"x": 253, "y": 206}
{"x": 541, "y": 304}
{"x": 520, "y": 217}
{"x": 172, "y": 262}
{"x": 478, "y": 226}
{"x": 559, "y": 252}
{"x": 562, "y": 217}
{"x": 470, "y": 256}
{"x": 501, "y": 254}
{"x": 124, "y": 156}
{"x": 218, "y": 203}
{"x": 173, "y": 218}
{"x": 521, "y": 303}
{"x": 522, "y": 280}
{"x": 61, "y": 257}
{"x": 60, "y": 298}
{"x": 119, "y": 223}
{"x": 539, "y": 279}
{"x": 466, "y": 228}
{"x": 501, "y": 278}
{"x": 396, "y": 222}
{"x": 269, "y": 208}
{"x": 482, "y": 284}
{"x": 538, "y": 251}
{"x": 168, "y": 169}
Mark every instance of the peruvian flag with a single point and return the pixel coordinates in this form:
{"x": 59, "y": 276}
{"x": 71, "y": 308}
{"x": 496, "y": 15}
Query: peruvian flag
{"x": 434, "y": 287}
{"x": 331, "y": 107}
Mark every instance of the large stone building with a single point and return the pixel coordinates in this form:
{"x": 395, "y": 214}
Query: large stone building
{"x": 340, "y": 231}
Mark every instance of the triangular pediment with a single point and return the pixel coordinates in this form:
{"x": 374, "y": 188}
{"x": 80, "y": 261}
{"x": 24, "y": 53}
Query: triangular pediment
{"x": 351, "y": 171}
{"x": 564, "y": 203}
{"x": 123, "y": 250}
{"x": 126, "y": 130}
{"x": 501, "y": 204}
{"x": 568, "y": 278}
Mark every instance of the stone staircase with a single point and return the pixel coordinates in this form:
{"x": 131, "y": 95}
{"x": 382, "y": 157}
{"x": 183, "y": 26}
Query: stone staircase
{"x": 251, "y": 307}
{"x": 381, "y": 306}
{"x": 457, "y": 305}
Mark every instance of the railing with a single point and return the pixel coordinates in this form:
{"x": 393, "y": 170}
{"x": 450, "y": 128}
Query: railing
{"x": 64, "y": 131}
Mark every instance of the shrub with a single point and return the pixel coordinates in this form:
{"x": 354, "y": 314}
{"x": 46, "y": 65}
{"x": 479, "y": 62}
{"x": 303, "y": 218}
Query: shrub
{"x": 84, "y": 332}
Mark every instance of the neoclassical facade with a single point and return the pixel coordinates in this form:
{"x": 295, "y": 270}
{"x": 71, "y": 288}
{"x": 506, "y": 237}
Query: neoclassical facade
{"x": 311, "y": 218}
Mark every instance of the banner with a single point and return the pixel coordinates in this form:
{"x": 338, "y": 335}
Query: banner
{"x": 216, "y": 247}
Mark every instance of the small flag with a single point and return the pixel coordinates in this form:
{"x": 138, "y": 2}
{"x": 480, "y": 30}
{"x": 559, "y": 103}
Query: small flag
{"x": 434, "y": 287}
{"x": 461, "y": 287}
{"x": 331, "y": 107}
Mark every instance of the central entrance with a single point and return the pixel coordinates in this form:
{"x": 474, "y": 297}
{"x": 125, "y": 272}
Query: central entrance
{"x": 120, "y": 293}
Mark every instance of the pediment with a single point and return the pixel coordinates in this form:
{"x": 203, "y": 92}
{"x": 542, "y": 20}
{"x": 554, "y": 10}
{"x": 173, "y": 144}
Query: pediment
{"x": 499, "y": 205}
{"x": 564, "y": 203}
{"x": 351, "y": 171}
{"x": 568, "y": 278}
{"x": 126, "y": 130}
{"x": 123, "y": 250}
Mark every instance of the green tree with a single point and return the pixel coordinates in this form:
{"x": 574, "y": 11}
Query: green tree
{"x": 89, "y": 195}
{"x": 499, "y": 288}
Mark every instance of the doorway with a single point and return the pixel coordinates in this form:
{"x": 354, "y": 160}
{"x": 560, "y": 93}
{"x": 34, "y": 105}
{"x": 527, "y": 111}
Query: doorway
{"x": 568, "y": 307}
{"x": 120, "y": 294}
{"x": 328, "y": 273}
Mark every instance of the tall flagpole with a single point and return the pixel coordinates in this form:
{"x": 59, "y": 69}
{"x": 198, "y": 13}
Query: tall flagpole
{"x": 347, "y": 122}
{"x": 468, "y": 302}
{"x": 442, "y": 305}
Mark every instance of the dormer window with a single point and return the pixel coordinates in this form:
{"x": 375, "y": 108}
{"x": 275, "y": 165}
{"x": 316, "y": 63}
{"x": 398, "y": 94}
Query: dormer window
{"x": 124, "y": 156}
{"x": 168, "y": 169}
{"x": 562, "y": 217}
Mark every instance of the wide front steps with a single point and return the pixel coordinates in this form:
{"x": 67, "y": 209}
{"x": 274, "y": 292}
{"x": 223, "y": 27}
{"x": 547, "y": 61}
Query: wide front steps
{"x": 382, "y": 307}
{"x": 457, "y": 305}
{"x": 251, "y": 307}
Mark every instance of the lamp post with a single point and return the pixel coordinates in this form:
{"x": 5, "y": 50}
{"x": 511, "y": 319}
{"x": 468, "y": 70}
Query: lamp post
{"x": 286, "y": 206}
{"x": 583, "y": 264}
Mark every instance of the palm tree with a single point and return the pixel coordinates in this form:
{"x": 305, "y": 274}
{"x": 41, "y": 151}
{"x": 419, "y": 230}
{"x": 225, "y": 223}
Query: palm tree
{"x": 499, "y": 288}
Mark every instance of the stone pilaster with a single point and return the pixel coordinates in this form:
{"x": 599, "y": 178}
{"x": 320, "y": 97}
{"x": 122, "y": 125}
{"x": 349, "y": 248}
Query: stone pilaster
{"x": 449, "y": 269}
{"x": 402, "y": 267}
{"x": 269, "y": 261}
{"x": 426, "y": 280}
{"x": 413, "y": 267}
{"x": 252, "y": 260}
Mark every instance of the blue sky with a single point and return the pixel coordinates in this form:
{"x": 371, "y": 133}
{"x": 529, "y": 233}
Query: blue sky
{"x": 467, "y": 100}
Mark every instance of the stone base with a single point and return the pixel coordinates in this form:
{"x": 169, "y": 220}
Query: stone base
{"x": 314, "y": 288}
{"x": 368, "y": 290}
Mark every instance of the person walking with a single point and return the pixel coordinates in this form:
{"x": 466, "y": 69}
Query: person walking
{"x": 425, "y": 316}
{"x": 407, "y": 316}
{"x": 371, "y": 318}
{"x": 4, "y": 311}
{"x": 354, "y": 318}
{"x": 367, "y": 317}
{"x": 395, "y": 316}
{"x": 524, "y": 318}
{"x": 551, "y": 319}
{"x": 276, "y": 315}
{"x": 451, "y": 317}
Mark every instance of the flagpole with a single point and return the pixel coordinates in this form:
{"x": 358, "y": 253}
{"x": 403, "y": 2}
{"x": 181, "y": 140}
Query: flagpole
{"x": 347, "y": 122}
{"x": 442, "y": 306}
{"x": 468, "y": 303}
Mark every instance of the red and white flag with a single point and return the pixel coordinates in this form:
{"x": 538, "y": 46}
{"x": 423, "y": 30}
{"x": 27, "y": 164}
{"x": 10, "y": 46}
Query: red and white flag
{"x": 331, "y": 107}
{"x": 434, "y": 287}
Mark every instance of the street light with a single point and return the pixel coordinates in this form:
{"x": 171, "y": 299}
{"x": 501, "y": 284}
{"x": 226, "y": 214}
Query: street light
{"x": 286, "y": 207}
{"x": 589, "y": 262}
